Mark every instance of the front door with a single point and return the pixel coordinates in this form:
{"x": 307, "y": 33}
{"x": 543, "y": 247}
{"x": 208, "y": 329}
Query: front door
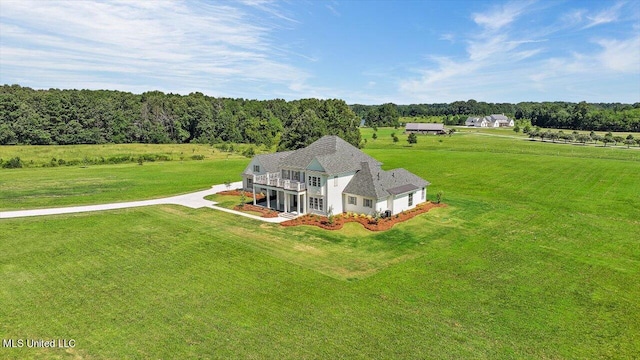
{"x": 294, "y": 203}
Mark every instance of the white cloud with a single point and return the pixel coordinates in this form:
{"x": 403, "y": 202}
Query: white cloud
{"x": 448, "y": 37}
{"x": 604, "y": 16}
{"x": 502, "y": 61}
{"x": 198, "y": 45}
{"x": 500, "y": 16}
{"x": 621, "y": 55}
{"x": 492, "y": 53}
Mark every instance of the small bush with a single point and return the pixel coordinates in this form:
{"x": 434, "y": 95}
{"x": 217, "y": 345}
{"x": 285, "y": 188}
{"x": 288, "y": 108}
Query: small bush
{"x": 197, "y": 157}
{"x": 13, "y": 163}
{"x": 249, "y": 152}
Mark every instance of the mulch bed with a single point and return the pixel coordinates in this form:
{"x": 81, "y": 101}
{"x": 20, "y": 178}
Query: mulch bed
{"x": 239, "y": 193}
{"x": 266, "y": 213}
{"x": 367, "y": 221}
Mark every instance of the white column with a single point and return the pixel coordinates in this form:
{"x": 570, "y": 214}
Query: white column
{"x": 298, "y": 195}
{"x": 278, "y": 200}
{"x": 268, "y": 198}
{"x": 254, "y": 195}
{"x": 286, "y": 202}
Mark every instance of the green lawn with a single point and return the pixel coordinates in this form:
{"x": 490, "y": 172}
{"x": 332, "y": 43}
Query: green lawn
{"x": 30, "y": 188}
{"x": 536, "y": 256}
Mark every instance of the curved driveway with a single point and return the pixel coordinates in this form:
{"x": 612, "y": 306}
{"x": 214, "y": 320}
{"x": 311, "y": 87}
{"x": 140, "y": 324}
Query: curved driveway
{"x": 192, "y": 200}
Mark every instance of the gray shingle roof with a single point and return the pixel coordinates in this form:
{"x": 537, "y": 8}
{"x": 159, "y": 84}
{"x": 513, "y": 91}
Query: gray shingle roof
{"x": 268, "y": 161}
{"x": 373, "y": 182}
{"x": 424, "y": 127}
{"x": 334, "y": 154}
{"x": 497, "y": 117}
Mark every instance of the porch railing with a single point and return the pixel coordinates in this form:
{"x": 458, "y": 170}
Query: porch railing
{"x": 273, "y": 179}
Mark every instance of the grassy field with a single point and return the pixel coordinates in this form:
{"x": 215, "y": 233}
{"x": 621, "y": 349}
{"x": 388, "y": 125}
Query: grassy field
{"x": 536, "y": 256}
{"x": 41, "y": 156}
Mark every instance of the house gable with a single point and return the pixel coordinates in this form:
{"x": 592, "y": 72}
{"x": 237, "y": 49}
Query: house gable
{"x": 315, "y": 165}
{"x": 251, "y": 168}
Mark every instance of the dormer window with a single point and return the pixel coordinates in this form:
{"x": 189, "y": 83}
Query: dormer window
{"x": 256, "y": 168}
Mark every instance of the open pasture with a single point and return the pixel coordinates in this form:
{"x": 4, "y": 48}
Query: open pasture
{"x": 536, "y": 256}
{"x": 83, "y": 155}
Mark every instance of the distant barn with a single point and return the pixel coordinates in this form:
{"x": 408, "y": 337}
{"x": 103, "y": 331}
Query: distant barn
{"x": 424, "y": 128}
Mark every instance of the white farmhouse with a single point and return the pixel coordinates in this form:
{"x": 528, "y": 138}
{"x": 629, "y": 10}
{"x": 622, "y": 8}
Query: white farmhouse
{"x": 331, "y": 173}
{"x": 495, "y": 120}
{"x": 498, "y": 120}
{"x": 476, "y": 122}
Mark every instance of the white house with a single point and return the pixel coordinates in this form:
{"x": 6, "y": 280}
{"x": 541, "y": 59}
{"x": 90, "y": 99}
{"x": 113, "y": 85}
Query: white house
{"x": 331, "y": 174}
{"x": 476, "y": 122}
{"x": 498, "y": 120}
{"x": 495, "y": 120}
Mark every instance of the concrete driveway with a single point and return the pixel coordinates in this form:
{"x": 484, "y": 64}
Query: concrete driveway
{"x": 192, "y": 200}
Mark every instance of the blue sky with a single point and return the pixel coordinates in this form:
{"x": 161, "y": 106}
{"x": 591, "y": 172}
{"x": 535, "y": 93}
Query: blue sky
{"x": 367, "y": 52}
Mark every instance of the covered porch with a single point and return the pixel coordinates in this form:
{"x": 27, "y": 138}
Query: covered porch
{"x": 279, "y": 199}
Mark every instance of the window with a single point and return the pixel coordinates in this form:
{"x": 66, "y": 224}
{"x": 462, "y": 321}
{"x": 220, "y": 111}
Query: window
{"x": 352, "y": 200}
{"x": 286, "y": 174}
{"x": 335, "y": 180}
{"x": 256, "y": 168}
{"x": 316, "y": 203}
{"x": 309, "y": 185}
{"x": 249, "y": 183}
{"x": 410, "y": 199}
{"x": 368, "y": 203}
{"x": 314, "y": 181}
{"x": 296, "y": 175}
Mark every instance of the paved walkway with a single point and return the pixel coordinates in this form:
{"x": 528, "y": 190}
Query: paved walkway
{"x": 193, "y": 200}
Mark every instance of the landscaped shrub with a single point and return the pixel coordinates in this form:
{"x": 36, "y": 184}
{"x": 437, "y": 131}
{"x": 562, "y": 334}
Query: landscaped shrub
{"x": 367, "y": 221}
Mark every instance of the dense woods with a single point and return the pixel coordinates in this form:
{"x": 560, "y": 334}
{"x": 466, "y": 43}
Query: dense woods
{"x": 560, "y": 115}
{"x": 42, "y": 117}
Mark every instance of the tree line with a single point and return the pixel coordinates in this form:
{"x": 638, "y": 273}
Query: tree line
{"x": 559, "y": 115}
{"x": 583, "y": 138}
{"x": 43, "y": 117}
